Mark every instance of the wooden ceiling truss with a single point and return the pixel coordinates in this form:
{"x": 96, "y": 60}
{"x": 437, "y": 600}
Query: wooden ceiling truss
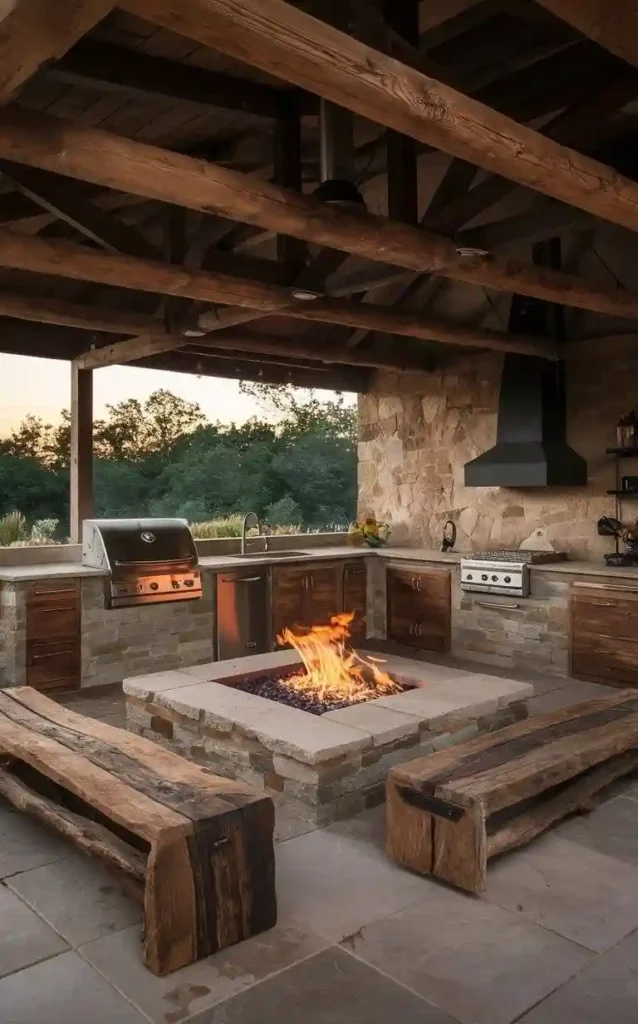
{"x": 120, "y": 248}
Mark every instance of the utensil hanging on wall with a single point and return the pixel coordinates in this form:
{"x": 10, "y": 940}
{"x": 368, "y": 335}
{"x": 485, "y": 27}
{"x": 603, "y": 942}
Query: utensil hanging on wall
{"x": 449, "y": 536}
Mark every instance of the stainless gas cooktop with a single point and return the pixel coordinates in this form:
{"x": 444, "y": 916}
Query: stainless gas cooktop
{"x": 503, "y": 572}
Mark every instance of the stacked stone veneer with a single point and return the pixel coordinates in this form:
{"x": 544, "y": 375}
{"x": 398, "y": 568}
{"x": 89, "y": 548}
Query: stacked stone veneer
{"x": 325, "y": 767}
{"x": 116, "y": 642}
{"x": 119, "y": 642}
{"x": 416, "y": 433}
{"x": 13, "y": 629}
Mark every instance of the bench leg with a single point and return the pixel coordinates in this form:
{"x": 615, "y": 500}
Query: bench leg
{"x": 408, "y": 832}
{"x": 460, "y": 850}
{"x": 170, "y": 908}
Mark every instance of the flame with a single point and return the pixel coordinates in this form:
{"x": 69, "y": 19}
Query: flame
{"x": 333, "y": 671}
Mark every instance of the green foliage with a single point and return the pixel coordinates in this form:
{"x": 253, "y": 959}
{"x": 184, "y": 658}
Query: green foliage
{"x": 215, "y": 528}
{"x": 13, "y": 527}
{"x": 295, "y": 467}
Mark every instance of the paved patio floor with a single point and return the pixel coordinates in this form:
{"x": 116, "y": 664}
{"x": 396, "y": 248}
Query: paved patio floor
{"x": 359, "y": 940}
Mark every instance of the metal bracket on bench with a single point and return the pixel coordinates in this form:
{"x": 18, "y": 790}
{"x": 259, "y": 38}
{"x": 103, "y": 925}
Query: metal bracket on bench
{"x": 431, "y": 804}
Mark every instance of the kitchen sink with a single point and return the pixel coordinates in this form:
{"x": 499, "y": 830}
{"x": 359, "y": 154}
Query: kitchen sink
{"x": 271, "y": 554}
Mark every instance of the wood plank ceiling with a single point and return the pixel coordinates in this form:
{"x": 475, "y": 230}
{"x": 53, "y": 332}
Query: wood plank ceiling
{"x": 158, "y": 162}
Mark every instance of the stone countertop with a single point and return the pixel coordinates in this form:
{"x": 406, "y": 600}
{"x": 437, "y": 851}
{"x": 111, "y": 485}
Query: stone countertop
{"x": 212, "y": 563}
{"x": 46, "y": 571}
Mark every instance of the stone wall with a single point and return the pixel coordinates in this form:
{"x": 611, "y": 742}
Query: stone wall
{"x": 120, "y": 642}
{"x": 417, "y": 433}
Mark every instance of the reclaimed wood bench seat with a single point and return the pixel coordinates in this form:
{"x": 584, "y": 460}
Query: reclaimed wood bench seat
{"x": 197, "y": 848}
{"x": 450, "y": 811}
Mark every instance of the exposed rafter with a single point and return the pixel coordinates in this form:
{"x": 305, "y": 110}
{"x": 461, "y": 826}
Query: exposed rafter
{"x": 612, "y": 23}
{"x": 33, "y": 32}
{"x": 283, "y": 40}
{"x": 104, "y": 159}
{"x": 136, "y": 74}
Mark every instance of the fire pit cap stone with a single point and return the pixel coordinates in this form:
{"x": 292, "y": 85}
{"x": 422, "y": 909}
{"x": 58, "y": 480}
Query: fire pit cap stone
{"x": 147, "y": 686}
{"x": 474, "y": 694}
{"x": 384, "y": 725}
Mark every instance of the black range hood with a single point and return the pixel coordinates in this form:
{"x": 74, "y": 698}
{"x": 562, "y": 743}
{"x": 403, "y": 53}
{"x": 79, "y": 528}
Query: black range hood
{"x": 531, "y": 448}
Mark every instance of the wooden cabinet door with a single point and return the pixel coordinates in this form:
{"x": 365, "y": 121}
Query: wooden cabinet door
{"x": 419, "y": 608}
{"x": 288, "y": 597}
{"x": 355, "y": 597}
{"x": 53, "y": 650}
{"x": 604, "y": 635}
{"x": 323, "y": 596}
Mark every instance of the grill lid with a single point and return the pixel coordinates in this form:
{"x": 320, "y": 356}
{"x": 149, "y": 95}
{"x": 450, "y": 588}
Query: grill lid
{"x": 138, "y": 545}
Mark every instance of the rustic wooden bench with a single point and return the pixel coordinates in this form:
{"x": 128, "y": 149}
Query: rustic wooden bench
{"x": 197, "y": 848}
{"x": 450, "y": 811}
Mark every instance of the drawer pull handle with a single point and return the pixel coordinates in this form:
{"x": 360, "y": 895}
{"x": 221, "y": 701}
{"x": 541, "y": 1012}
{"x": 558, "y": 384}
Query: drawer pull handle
{"x": 62, "y": 590}
{"x": 52, "y": 654}
{"x": 60, "y": 608}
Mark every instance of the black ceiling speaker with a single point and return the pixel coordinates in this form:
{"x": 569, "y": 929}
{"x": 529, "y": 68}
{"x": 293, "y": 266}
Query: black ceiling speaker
{"x": 339, "y": 190}
{"x": 531, "y": 449}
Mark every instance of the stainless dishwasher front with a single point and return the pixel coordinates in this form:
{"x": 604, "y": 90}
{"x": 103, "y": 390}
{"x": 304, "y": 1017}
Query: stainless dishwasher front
{"x": 243, "y": 614}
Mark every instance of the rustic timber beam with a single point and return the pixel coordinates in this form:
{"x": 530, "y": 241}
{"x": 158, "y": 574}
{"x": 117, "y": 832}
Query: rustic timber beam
{"x": 129, "y": 166}
{"x": 611, "y": 23}
{"x": 48, "y": 310}
{"x": 33, "y": 32}
{"x": 402, "y": 174}
{"x": 262, "y": 370}
{"x": 61, "y": 199}
{"x": 436, "y": 12}
{"x": 69, "y": 260}
{"x": 283, "y": 40}
{"x": 134, "y": 73}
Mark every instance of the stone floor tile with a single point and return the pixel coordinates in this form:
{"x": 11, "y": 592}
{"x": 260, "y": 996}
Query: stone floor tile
{"x": 579, "y": 893}
{"x": 335, "y": 883}
{"x": 25, "y": 844}
{"x": 65, "y": 989}
{"x": 611, "y": 828}
{"x": 605, "y": 992}
{"x": 477, "y": 962}
{"x": 78, "y": 897}
{"x": 330, "y": 988}
{"x": 24, "y": 937}
{"x": 368, "y": 826}
{"x": 204, "y": 984}
{"x": 571, "y": 693}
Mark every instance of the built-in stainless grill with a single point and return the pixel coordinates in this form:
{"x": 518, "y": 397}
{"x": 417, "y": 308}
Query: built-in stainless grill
{"x": 149, "y": 560}
{"x": 502, "y": 572}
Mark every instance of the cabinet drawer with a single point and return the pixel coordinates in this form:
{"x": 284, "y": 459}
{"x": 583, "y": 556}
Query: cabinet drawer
{"x": 604, "y": 658}
{"x": 612, "y": 616}
{"x": 54, "y": 665}
{"x": 435, "y": 583}
{"x": 53, "y": 592}
{"x": 49, "y": 621}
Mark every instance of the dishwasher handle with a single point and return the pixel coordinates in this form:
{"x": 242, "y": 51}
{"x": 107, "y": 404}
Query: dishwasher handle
{"x": 241, "y": 579}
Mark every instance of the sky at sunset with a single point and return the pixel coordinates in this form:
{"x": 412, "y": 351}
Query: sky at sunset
{"x": 42, "y": 387}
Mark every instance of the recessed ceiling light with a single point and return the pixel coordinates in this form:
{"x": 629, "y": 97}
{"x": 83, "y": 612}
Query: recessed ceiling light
{"x": 470, "y": 251}
{"x": 194, "y": 332}
{"x": 305, "y": 294}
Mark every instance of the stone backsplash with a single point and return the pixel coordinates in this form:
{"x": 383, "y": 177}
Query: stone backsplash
{"x": 418, "y": 431}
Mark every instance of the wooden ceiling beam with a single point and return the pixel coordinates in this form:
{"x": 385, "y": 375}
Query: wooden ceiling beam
{"x": 138, "y": 75}
{"x": 129, "y": 166}
{"x": 33, "y": 32}
{"x": 612, "y": 24}
{"x": 283, "y": 40}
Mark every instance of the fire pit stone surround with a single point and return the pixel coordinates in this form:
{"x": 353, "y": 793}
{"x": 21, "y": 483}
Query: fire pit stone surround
{"x": 325, "y": 767}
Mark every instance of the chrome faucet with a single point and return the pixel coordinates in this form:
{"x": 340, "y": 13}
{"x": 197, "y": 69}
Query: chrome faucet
{"x": 244, "y": 524}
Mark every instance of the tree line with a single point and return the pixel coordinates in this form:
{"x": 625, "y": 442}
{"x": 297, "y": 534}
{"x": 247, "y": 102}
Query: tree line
{"x": 162, "y": 457}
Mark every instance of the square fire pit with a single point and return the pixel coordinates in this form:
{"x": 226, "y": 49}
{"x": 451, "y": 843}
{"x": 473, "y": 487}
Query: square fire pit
{"x": 326, "y": 766}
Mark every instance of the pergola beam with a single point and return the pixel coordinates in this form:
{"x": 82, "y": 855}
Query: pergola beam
{"x": 138, "y": 75}
{"x": 130, "y": 166}
{"x": 283, "y": 40}
{"x": 611, "y": 23}
{"x": 33, "y": 32}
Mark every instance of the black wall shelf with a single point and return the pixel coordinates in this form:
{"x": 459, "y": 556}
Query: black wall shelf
{"x": 619, "y": 453}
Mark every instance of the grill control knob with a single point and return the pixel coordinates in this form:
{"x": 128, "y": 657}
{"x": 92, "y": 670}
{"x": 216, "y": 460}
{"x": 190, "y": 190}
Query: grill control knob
{"x": 154, "y": 586}
{"x": 508, "y": 579}
{"x": 188, "y": 583}
{"x": 175, "y": 585}
{"x": 484, "y": 577}
{"x": 469, "y": 576}
{"x": 494, "y": 579}
{"x": 139, "y": 588}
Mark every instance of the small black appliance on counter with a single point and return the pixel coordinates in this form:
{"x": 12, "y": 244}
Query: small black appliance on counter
{"x": 609, "y": 527}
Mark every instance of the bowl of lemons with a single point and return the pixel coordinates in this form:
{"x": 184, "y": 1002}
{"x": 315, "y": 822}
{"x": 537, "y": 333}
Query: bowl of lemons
{"x": 369, "y": 532}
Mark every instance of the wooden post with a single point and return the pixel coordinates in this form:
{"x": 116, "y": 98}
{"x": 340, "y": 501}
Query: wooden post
{"x": 81, "y": 449}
